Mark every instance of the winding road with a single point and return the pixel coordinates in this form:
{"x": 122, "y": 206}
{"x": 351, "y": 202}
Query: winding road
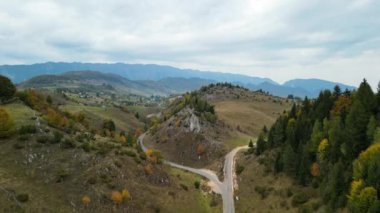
{"x": 225, "y": 188}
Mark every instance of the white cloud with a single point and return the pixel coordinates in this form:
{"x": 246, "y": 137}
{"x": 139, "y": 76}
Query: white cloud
{"x": 277, "y": 39}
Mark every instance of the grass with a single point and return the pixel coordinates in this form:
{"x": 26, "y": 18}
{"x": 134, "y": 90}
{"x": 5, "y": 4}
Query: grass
{"x": 123, "y": 120}
{"x": 240, "y": 140}
{"x": 250, "y": 116}
{"x": 198, "y": 200}
{"x": 261, "y": 190}
{"x": 21, "y": 114}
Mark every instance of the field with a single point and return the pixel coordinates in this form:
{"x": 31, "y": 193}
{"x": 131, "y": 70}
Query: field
{"x": 21, "y": 114}
{"x": 123, "y": 120}
{"x": 247, "y": 118}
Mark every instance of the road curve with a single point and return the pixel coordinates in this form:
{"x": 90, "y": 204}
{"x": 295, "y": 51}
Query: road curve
{"x": 225, "y": 188}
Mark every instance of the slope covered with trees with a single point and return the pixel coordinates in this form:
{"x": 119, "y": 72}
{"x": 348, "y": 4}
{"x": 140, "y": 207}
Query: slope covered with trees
{"x": 331, "y": 143}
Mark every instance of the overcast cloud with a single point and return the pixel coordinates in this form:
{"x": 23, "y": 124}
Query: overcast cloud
{"x": 337, "y": 40}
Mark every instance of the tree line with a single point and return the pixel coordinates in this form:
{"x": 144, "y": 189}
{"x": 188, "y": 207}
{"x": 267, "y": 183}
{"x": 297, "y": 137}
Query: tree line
{"x": 331, "y": 143}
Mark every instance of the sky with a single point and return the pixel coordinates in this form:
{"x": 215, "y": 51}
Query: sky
{"x": 335, "y": 40}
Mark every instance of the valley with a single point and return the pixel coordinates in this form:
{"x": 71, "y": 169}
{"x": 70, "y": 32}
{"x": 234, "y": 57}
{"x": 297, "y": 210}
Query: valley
{"x": 95, "y": 146}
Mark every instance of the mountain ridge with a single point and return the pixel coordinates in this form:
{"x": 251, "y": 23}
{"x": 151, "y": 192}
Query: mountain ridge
{"x": 182, "y": 80}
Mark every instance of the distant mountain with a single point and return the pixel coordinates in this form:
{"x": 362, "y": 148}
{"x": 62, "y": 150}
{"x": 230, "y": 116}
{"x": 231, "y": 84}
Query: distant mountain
{"x": 281, "y": 90}
{"x": 162, "y": 80}
{"x": 98, "y": 80}
{"x": 152, "y": 72}
{"x": 314, "y": 86}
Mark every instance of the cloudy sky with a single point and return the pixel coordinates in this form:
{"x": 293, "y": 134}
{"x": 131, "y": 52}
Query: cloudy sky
{"x": 337, "y": 40}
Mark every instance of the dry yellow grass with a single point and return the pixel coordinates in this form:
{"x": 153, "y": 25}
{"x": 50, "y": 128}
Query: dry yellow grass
{"x": 247, "y": 118}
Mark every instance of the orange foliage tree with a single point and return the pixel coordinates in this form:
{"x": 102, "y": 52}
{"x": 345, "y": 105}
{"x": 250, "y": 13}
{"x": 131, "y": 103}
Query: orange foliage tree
{"x": 116, "y": 197}
{"x": 315, "y": 169}
{"x": 86, "y": 200}
{"x": 201, "y": 149}
{"x": 148, "y": 169}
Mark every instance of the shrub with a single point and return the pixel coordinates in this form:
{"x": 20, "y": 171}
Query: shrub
{"x": 6, "y": 124}
{"x": 43, "y": 139}
{"x": 7, "y": 89}
{"x": 27, "y": 129}
{"x": 62, "y": 174}
{"x": 18, "y": 146}
{"x": 23, "y": 137}
{"x": 22, "y": 198}
{"x": 197, "y": 184}
{"x": 126, "y": 195}
{"x": 299, "y": 198}
{"x": 68, "y": 143}
{"x": 86, "y": 147}
{"x": 239, "y": 169}
{"x": 116, "y": 197}
{"x": 57, "y": 137}
{"x": 184, "y": 187}
{"x": 86, "y": 200}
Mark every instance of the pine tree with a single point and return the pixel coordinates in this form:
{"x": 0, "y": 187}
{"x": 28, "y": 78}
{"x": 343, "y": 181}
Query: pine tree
{"x": 336, "y": 138}
{"x": 260, "y": 145}
{"x": 356, "y": 123}
{"x": 290, "y": 160}
{"x": 371, "y": 129}
{"x": 366, "y": 97}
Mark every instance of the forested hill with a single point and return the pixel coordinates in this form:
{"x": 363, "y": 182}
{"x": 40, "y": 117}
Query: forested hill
{"x": 333, "y": 144}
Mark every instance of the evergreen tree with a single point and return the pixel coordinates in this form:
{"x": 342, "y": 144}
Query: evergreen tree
{"x": 371, "y": 129}
{"x": 337, "y": 91}
{"x": 290, "y": 160}
{"x": 291, "y": 134}
{"x": 336, "y": 138}
{"x": 366, "y": 97}
{"x": 357, "y": 121}
{"x": 260, "y": 145}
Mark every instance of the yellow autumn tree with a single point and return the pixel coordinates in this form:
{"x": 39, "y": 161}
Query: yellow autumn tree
{"x": 6, "y": 124}
{"x": 322, "y": 148}
{"x": 86, "y": 200}
{"x": 116, "y": 197}
{"x": 125, "y": 194}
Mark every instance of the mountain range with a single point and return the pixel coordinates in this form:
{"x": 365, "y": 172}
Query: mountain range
{"x": 168, "y": 80}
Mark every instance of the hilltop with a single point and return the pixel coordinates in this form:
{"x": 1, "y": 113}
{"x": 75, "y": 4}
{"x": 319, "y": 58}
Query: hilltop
{"x": 96, "y": 81}
{"x": 200, "y": 127}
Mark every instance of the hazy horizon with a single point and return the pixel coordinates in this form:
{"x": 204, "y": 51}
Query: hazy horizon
{"x": 336, "y": 41}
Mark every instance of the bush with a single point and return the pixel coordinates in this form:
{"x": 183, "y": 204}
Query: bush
{"x": 68, "y": 143}
{"x": 43, "y": 139}
{"x": 239, "y": 169}
{"x": 27, "y": 129}
{"x": 299, "y": 198}
{"x": 263, "y": 191}
{"x": 197, "y": 184}
{"x": 184, "y": 187}
{"x": 22, "y": 198}
{"x": 62, "y": 175}
{"x": 23, "y": 137}
{"x": 7, "y": 89}
{"x": 6, "y": 124}
{"x": 86, "y": 147}
{"x": 57, "y": 137}
{"x": 18, "y": 145}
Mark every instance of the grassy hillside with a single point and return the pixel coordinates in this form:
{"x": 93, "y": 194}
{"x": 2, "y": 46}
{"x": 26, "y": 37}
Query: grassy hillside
{"x": 59, "y": 158}
{"x": 238, "y": 116}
